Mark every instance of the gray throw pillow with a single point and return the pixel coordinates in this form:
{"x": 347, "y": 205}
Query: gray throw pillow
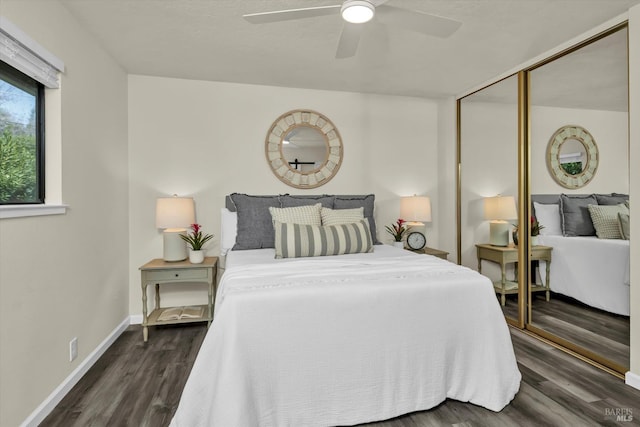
{"x": 255, "y": 227}
{"x": 352, "y": 202}
{"x": 611, "y": 199}
{"x": 623, "y": 225}
{"x": 576, "y": 220}
{"x": 289, "y": 201}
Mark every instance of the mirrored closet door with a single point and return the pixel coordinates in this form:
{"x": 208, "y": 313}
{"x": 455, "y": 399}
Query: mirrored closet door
{"x": 579, "y": 186}
{"x": 488, "y": 188}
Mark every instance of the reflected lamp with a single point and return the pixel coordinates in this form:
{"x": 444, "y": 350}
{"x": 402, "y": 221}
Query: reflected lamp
{"x": 499, "y": 209}
{"x": 174, "y": 215}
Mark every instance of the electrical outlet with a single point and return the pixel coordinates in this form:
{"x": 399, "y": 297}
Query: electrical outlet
{"x": 73, "y": 349}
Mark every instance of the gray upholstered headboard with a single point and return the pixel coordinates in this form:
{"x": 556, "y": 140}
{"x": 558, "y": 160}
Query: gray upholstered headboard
{"x": 228, "y": 203}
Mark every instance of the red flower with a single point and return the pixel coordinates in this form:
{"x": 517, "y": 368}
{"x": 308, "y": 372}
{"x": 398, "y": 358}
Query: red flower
{"x": 196, "y": 227}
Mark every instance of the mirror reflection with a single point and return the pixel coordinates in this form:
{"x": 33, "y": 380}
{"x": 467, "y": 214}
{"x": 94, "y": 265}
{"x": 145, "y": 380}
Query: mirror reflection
{"x": 572, "y": 156}
{"x": 489, "y": 187}
{"x": 587, "y": 269}
{"x": 304, "y": 148}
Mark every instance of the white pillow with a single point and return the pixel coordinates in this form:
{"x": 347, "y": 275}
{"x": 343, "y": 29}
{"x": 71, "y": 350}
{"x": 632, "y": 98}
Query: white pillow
{"x": 549, "y": 216}
{"x": 228, "y": 230}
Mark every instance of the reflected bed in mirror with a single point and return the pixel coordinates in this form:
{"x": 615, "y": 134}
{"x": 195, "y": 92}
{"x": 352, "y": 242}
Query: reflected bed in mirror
{"x": 303, "y": 149}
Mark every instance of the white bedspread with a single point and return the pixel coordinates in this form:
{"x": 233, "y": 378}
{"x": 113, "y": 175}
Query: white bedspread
{"x": 591, "y": 270}
{"x": 347, "y": 339}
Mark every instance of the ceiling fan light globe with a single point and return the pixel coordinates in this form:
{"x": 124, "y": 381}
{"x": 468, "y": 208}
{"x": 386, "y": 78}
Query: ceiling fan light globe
{"x": 357, "y": 11}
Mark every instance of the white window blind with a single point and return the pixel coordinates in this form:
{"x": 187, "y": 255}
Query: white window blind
{"x": 25, "y": 54}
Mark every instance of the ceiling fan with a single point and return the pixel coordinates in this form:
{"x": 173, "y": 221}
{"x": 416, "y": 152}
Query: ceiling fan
{"x": 357, "y": 12}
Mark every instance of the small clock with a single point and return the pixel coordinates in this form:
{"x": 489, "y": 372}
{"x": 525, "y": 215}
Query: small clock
{"x": 416, "y": 240}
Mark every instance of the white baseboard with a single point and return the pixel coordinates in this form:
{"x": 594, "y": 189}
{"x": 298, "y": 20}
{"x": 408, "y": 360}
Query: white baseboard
{"x": 135, "y": 319}
{"x": 61, "y": 391}
{"x": 632, "y": 379}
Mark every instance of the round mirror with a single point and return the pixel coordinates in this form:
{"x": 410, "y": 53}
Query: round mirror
{"x": 304, "y": 149}
{"x": 572, "y": 156}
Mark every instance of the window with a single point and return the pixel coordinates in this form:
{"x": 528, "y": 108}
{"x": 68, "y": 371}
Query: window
{"x": 21, "y": 138}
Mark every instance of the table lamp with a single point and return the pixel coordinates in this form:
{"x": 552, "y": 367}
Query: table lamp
{"x": 416, "y": 210}
{"x": 174, "y": 215}
{"x": 499, "y": 209}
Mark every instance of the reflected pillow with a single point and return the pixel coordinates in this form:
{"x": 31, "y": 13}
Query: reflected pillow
{"x": 623, "y": 225}
{"x": 605, "y": 220}
{"x": 611, "y": 199}
{"x": 549, "y": 217}
{"x": 576, "y": 220}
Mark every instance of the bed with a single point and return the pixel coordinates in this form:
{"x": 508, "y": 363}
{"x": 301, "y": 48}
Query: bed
{"x": 592, "y": 270}
{"x": 347, "y": 339}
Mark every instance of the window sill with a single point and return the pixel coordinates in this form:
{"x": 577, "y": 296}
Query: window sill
{"x": 17, "y": 211}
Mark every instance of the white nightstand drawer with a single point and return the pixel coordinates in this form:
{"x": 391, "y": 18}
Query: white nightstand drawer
{"x": 177, "y": 274}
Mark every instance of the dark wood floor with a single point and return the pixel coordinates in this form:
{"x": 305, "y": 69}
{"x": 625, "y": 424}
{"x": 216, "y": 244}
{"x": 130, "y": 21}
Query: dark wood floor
{"x": 596, "y": 330}
{"x": 137, "y": 384}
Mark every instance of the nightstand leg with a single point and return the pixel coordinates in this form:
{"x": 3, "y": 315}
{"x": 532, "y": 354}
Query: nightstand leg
{"x": 548, "y": 286}
{"x": 503, "y": 299}
{"x": 145, "y": 332}
{"x": 157, "y": 295}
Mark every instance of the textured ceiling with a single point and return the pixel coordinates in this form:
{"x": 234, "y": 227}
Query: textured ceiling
{"x": 209, "y": 40}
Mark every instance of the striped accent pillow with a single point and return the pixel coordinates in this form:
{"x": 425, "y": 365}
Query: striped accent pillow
{"x": 605, "y": 220}
{"x": 309, "y": 214}
{"x": 301, "y": 240}
{"x": 341, "y": 216}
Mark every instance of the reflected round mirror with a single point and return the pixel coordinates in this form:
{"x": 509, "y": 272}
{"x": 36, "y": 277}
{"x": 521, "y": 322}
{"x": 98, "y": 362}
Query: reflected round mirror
{"x": 572, "y": 157}
{"x": 304, "y": 149}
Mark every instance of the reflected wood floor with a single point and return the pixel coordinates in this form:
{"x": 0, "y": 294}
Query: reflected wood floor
{"x": 137, "y": 384}
{"x": 603, "y": 333}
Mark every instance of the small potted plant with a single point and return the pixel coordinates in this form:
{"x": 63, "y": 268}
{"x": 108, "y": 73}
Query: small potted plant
{"x": 398, "y": 231}
{"x": 196, "y": 239}
{"x": 535, "y": 231}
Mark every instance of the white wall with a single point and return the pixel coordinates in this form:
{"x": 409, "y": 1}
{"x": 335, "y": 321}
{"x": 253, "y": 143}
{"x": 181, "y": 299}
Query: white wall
{"x": 206, "y": 140}
{"x": 610, "y": 131}
{"x": 66, "y": 276}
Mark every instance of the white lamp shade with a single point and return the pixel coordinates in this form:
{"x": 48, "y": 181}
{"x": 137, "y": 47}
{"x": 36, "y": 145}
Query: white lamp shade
{"x": 500, "y": 208}
{"x": 415, "y": 209}
{"x": 175, "y": 212}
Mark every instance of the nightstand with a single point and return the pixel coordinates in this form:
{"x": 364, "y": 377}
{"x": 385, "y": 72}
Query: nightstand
{"x": 431, "y": 251}
{"x": 159, "y": 272}
{"x": 504, "y": 255}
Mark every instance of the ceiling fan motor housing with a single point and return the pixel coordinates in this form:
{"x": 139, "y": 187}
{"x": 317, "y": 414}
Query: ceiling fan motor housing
{"x": 357, "y": 11}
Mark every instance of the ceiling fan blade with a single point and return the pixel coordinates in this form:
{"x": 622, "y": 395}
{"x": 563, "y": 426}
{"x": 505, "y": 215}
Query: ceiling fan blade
{"x": 349, "y": 39}
{"x": 417, "y": 21}
{"x": 290, "y": 14}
